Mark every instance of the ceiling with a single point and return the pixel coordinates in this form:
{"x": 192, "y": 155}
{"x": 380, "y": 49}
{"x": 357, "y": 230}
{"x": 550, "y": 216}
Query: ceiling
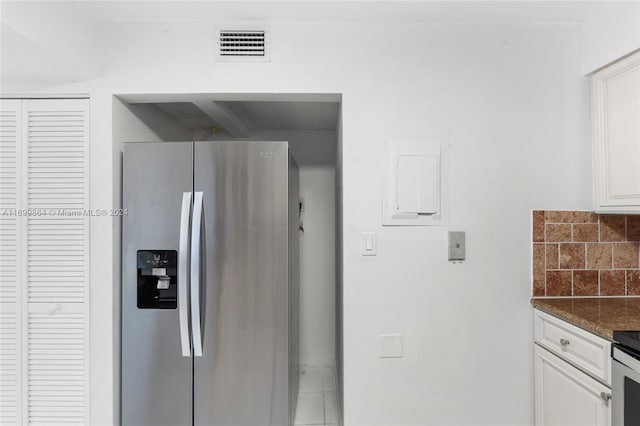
{"x": 287, "y": 115}
{"x": 241, "y": 115}
{"x": 432, "y": 11}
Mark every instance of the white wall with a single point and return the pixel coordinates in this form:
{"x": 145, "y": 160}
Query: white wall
{"x": 610, "y": 31}
{"x": 511, "y": 102}
{"x": 317, "y": 266}
{"x": 56, "y": 45}
{"x": 339, "y": 268}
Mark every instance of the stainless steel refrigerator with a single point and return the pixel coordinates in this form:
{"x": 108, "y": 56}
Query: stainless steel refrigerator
{"x": 210, "y": 284}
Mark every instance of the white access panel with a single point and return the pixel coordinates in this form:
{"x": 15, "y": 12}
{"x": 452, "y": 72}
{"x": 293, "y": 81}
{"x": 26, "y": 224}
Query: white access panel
{"x": 414, "y": 184}
{"x": 417, "y": 184}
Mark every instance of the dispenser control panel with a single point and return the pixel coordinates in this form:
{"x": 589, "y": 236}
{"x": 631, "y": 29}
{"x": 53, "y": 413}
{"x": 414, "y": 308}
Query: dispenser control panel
{"x": 157, "y": 279}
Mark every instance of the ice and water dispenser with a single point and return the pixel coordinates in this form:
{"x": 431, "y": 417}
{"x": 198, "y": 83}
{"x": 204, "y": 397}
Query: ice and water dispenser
{"x": 157, "y": 279}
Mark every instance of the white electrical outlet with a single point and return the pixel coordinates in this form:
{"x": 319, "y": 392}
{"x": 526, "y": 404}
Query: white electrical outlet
{"x": 390, "y": 345}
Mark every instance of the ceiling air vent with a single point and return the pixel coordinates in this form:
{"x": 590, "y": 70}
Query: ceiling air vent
{"x": 243, "y": 45}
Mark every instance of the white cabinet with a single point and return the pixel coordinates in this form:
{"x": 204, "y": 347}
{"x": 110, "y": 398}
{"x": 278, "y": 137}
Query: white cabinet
{"x": 44, "y": 275}
{"x": 585, "y": 350}
{"x": 615, "y": 115}
{"x": 565, "y": 396}
{"x": 572, "y": 373}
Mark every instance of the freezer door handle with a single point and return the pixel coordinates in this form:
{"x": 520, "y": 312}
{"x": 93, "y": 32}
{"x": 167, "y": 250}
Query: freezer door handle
{"x": 197, "y": 252}
{"x": 183, "y": 274}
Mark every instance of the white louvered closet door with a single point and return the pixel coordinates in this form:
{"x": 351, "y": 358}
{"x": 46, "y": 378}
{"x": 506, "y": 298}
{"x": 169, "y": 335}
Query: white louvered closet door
{"x": 10, "y": 277}
{"x": 52, "y": 319}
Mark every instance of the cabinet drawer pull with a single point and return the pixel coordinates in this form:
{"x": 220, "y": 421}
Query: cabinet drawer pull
{"x": 605, "y": 396}
{"x": 564, "y": 342}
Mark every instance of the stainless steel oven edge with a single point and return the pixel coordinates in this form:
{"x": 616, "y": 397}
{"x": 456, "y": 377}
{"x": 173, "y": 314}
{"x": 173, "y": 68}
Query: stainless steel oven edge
{"x": 623, "y": 366}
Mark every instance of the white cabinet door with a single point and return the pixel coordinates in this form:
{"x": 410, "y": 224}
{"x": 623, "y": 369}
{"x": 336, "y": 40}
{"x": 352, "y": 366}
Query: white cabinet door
{"x": 565, "y": 396}
{"x": 44, "y": 235}
{"x": 616, "y": 136}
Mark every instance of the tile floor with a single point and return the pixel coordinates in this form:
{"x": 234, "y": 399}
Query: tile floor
{"x": 317, "y": 402}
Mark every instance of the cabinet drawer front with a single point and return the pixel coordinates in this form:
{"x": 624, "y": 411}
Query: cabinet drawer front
{"x": 581, "y": 348}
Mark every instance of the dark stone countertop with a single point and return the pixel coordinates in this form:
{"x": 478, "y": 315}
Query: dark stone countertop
{"x": 599, "y": 315}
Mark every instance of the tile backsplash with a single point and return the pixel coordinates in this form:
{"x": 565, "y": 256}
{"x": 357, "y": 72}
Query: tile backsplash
{"x": 579, "y": 253}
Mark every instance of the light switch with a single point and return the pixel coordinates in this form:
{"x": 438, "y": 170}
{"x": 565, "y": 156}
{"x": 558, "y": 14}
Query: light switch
{"x": 390, "y": 345}
{"x": 457, "y": 250}
{"x": 368, "y": 245}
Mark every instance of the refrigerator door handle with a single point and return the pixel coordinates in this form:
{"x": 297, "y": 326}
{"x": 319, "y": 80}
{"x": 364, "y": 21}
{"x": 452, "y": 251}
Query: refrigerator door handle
{"x": 183, "y": 274}
{"x": 196, "y": 272}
